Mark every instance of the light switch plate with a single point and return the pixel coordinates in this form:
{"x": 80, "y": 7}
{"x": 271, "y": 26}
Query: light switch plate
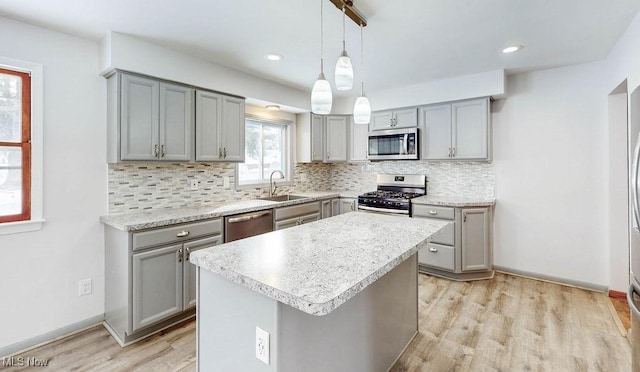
{"x": 226, "y": 183}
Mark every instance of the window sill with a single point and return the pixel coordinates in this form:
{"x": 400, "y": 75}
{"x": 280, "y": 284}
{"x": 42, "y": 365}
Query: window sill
{"x": 20, "y": 227}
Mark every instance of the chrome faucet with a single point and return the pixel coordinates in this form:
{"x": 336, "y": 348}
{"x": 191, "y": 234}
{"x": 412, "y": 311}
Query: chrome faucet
{"x": 272, "y": 185}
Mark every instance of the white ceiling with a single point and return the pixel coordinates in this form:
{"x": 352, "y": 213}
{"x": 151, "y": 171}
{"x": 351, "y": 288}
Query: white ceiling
{"x": 406, "y": 42}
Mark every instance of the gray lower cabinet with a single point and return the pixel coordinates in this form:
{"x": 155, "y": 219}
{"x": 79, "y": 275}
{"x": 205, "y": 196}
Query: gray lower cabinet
{"x": 149, "y": 282}
{"x": 295, "y": 215}
{"x": 348, "y": 205}
{"x": 463, "y": 249}
{"x": 330, "y": 207}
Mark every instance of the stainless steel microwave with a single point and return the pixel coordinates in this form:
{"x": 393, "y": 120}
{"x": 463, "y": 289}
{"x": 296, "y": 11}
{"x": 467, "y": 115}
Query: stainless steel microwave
{"x": 394, "y": 144}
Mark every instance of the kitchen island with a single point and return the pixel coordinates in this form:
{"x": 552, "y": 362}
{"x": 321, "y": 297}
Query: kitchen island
{"x": 337, "y": 294}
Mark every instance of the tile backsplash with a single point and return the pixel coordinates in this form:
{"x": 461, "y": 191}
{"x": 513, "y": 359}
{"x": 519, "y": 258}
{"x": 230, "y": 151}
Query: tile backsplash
{"x": 148, "y": 186}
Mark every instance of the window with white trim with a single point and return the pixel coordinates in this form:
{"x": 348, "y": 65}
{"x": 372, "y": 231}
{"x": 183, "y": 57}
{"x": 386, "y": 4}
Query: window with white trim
{"x": 267, "y": 149}
{"x": 21, "y": 146}
{"x": 15, "y": 145}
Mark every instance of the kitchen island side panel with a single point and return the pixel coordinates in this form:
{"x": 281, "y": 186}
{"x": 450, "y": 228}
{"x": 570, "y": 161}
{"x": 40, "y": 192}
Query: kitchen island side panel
{"x": 367, "y": 333}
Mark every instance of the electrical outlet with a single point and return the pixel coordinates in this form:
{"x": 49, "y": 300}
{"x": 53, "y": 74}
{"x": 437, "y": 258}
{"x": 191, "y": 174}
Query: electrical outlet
{"x": 84, "y": 287}
{"x": 262, "y": 345}
{"x": 303, "y": 177}
{"x": 193, "y": 184}
{"x": 226, "y": 182}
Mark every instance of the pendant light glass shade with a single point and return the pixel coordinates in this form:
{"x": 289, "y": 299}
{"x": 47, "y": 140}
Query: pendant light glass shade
{"x": 362, "y": 111}
{"x": 344, "y": 72}
{"x": 321, "y": 96}
{"x": 344, "y": 68}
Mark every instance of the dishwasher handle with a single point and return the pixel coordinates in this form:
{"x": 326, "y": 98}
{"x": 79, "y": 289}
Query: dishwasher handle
{"x": 247, "y": 217}
{"x": 632, "y": 303}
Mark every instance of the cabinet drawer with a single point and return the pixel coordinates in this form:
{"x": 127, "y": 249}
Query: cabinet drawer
{"x": 296, "y": 211}
{"x": 437, "y": 255}
{"x": 177, "y": 233}
{"x": 446, "y": 236}
{"x": 433, "y": 211}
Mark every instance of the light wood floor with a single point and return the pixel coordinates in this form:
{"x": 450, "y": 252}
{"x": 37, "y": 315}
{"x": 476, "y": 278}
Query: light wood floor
{"x": 505, "y": 324}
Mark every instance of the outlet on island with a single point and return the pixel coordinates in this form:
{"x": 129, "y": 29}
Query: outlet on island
{"x": 193, "y": 184}
{"x": 262, "y": 345}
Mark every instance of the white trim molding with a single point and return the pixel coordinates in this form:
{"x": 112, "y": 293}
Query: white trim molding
{"x": 37, "y": 146}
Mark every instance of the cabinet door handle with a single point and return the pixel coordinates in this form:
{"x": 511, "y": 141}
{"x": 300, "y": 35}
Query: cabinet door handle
{"x": 219, "y": 152}
{"x": 187, "y": 254}
{"x": 328, "y": 156}
{"x": 164, "y": 150}
{"x": 453, "y": 152}
{"x": 449, "y": 151}
{"x": 433, "y": 213}
{"x": 353, "y": 206}
{"x": 182, "y": 234}
{"x": 224, "y": 152}
{"x": 464, "y": 217}
{"x": 155, "y": 150}
{"x": 180, "y": 255}
{"x": 433, "y": 249}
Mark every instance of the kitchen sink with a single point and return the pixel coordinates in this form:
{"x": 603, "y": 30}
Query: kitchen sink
{"x": 283, "y": 198}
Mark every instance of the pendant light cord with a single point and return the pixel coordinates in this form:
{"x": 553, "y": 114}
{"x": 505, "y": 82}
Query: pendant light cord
{"x": 321, "y": 39}
{"x": 362, "y": 60}
{"x": 344, "y": 14}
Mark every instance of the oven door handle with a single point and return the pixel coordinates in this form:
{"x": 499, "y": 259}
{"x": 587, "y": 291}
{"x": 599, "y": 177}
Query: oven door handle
{"x": 382, "y": 210}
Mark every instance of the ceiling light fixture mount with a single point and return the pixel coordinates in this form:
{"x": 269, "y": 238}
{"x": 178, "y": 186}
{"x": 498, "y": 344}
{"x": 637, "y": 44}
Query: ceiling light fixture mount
{"x": 351, "y": 11}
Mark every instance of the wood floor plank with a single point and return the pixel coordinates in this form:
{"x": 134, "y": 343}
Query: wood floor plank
{"x": 509, "y": 323}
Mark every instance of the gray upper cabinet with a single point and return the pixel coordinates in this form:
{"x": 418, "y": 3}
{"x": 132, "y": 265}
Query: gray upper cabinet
{"x": 176, "y": 122}
{"x": 156, "y": 120}
{"x": 139, "y": 120}
{"x": 359, "y": 137}
{"x": 208, "y": 122}
{"x": 476, "y": 252}
{"x": 390, "y": 119}
{"x": 317, "y": 138}
{"x": 219, "y": 127}
{"x": 149, "y": 119}
{"x": 436, "y": 131}
{"x": 337, "y": 127}
{"x": 322, "y": 138}
{"x": 470, "y": 129}
{"x": 456, "y": 131}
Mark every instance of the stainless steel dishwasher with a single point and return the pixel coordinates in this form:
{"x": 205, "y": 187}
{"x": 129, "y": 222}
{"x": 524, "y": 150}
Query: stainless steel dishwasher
{"x": 240, "y": 226}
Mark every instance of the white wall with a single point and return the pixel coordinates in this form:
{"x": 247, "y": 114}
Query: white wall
{"x": 132, "y": 54}
{"x": 40, "y": 270}
{"x": 550, "y": 154}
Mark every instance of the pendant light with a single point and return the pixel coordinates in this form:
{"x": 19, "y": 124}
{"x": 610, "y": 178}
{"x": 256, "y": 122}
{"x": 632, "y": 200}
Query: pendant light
{"x": 321, "y": 96}
{"x": 344, "y": 69}
{"x": 362, "y": 108}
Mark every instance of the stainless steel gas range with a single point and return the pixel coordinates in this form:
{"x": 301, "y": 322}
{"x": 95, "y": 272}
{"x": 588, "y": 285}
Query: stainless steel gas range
{"x": 394, "y": 193}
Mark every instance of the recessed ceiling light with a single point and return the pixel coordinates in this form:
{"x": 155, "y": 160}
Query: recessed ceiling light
{"x": 273, "y": 57}
{"x": 273, "y": 107}
{"x": 511, "y": 49}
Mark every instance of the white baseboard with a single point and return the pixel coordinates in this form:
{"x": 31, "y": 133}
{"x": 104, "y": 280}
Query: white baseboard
{"x": 45, "y": 338}
{"x": 553, "y": 279}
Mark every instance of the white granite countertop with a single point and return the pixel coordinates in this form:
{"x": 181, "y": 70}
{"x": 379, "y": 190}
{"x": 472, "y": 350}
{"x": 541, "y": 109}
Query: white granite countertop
{"x": 318, "y": 266}
{"x": 454, "y": 201}
{"x": 164, "y": 217}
